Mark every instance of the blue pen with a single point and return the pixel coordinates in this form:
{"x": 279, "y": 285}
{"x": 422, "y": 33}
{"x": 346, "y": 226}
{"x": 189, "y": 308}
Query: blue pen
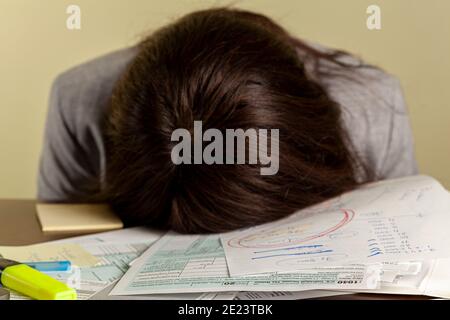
{"x": 50, "y": 266}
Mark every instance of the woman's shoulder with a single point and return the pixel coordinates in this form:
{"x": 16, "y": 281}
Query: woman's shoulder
{"x": 354, "y": 83}
{"x": 84, "y": 88}
{"x": 372, "y": 104}
{"x": 104, "y": 67}
{"x": 334, "y": 67}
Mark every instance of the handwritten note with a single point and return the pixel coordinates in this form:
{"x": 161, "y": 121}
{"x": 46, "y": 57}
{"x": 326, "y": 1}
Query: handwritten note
{"x": 396, "y": 220}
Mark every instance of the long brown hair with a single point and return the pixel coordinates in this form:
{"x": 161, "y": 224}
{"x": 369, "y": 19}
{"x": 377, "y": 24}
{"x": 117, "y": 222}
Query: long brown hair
{"x": 229, "y": 69}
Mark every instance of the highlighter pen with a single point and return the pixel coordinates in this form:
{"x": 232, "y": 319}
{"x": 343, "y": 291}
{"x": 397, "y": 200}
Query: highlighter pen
{"x": 32, "y": 283}
{"x": 50, "y": 266}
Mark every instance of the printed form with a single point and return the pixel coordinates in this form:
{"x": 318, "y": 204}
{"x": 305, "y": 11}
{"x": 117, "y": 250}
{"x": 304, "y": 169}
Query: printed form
{"x": 113, "y": 251}
{"x": 184, "y": 263}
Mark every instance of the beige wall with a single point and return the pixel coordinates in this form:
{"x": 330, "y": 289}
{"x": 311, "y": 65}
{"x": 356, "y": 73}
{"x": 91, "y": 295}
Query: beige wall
{"x": 35, "y": 45}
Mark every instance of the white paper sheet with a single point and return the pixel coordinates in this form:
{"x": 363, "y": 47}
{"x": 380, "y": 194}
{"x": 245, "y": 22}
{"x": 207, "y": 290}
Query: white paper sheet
{"x": 183, "y": 263}
{"x": 115, "y": 250}
{"x": 282, "y": 295}
{"x": 104, "y": 294}
{"x": 129, "y": 235}
{"x": 114, "y": 259}
{"x": 432, "y": 280}
{"x": 437, "y": 281}
{"x": 396, "y": 220}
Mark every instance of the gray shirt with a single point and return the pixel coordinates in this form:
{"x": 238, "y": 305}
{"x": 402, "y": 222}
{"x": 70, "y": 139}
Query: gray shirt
{"x": 373, "y": 112}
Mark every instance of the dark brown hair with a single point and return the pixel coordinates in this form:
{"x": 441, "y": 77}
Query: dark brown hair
{"x": 230, "y": 69}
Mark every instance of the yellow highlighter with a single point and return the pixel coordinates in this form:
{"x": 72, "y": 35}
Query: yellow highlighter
{"x": 30, "y": 282}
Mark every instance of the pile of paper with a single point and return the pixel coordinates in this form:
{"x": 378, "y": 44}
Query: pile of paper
{"x": 386, "y": 237}
{"x": 383, "y": 237}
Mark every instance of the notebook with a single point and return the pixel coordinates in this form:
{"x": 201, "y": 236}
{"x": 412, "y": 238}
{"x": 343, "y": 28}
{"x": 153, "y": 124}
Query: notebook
{"x": 77, "y": 218}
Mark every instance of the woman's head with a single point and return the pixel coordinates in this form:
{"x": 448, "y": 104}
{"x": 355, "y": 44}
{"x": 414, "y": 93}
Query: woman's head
{"x": 231, "y": 70}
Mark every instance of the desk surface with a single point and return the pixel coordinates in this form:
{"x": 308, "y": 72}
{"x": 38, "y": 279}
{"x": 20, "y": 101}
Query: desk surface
{"x": 19, "y": 226}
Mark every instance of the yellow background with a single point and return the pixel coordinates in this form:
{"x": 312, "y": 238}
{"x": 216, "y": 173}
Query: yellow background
{"x": 35, "y": 46}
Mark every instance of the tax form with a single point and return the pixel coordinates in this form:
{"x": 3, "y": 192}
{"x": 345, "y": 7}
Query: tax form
{"x": 113, "y": 263}
{"x": 113, "y": 251}
{"x": 396, "y": 220}
{"x": 186, "y": 263}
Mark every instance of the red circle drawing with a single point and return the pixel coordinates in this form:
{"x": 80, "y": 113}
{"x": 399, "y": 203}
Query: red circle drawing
{"x": 347, "y": 217}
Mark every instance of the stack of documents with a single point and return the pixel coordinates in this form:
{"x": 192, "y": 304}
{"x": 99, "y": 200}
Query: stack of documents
{"x": 382, "y": 236}
{"x": 385, "y": 237}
